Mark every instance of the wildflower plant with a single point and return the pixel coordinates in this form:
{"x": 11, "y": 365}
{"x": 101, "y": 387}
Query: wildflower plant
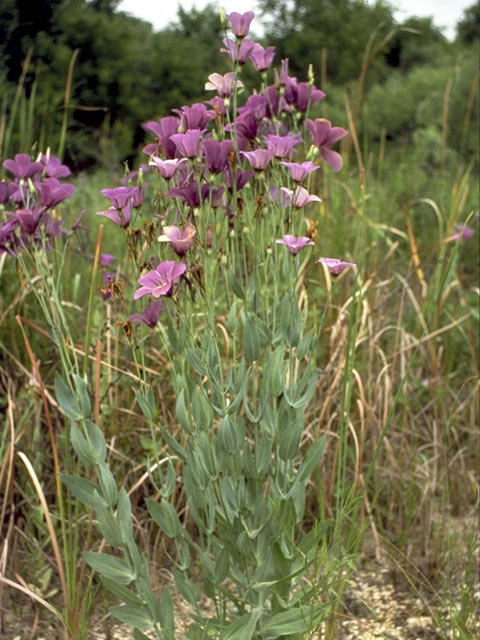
{"x": 228, "y": 184}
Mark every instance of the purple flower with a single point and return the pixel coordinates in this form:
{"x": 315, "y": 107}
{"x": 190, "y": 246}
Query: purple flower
{"x": 189, "y": 193}
{"x": 22, "y": 166}
{"x": 323, "y": 136}
{"x": 301, "y": 95}
{"x": 216, "y": 154}
{"x": 4, "y": 191}
{"x": 240, "y": 22}
{"x": 166, "y": 168}
{"x": 149, "y": 315}
{"x": 119, "y": 197}
{"x": 246, "y": 125}
{"x": 195, "y": 117}
{"x": 300, "y": 197}
{"x": 241, "y": 178}
{"x": 9, "y": 242}
{"x": 138, "y": 195}
{"x": 54, "y": 167}
{"x": 181, "y": 240}
{"x": 335, "y": 266}
{"x": 299, "y": 172}
{"x": 262, "y": 58}
{"x": 223, "y": 85}
{"x": 106, "y": 259}
{"x": 238, "y": 53}
{"x": 29, "y": 219}
{"x": 159, "y": 282}
{"x": 121, "y": 217}
{"x": 282, "y": 146}
{"x": 163, "y": 129}
{"x": 462, "y": 232}
{"x": 52, "y": 192}
{"x": 216, "y": 196}
{"x": 293, "y": 244}
{"x": 259, "y": 158}
{"x": 256, "y": 105}
{"x": 274, "y": 102}
{"x": 188, "y": 144}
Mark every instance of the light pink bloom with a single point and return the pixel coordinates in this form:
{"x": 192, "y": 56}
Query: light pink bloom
{"x": 335, "y": 266}
{"x": 323, "y": 137}
{"x": 181, "y": 240}
{"x": 300, "y": 197}
{"x": 293, "y": 244}
{"x": 223, "y": 85}
{"x": 166, "y": 168}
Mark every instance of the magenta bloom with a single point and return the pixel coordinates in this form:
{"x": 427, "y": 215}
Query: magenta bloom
{"x": 223, "y": 85}
{"x": 22, "y": 166}
{"x": 259, "y": 158}
{"x": 29, "y": 218}
{"x": 293, "y": 244}
{"x": 282, "y": 146}
{"x": 300, "y": 197}
{"x": 52, "y": 192}
{"x": 216, "y": 154}
{"x": 301, "y": 95}
{"x": 121, "y": 217}
{"x": 238, "y": 53}
{"x": 241, "y": 22}
{"x": 241, "y": 178}
{"x": 163, "y": 130}
{"x": 138, "y": 195}
{"x": 181, "y": 240}
{"x": 195, "y": 117}
{"x": 159, "y": 282}
{"x": 54, "y": 167}
{"x": 300, "y": 171}
{"x": 166, "y": 168}
{"x": 190, "y": 193}
{"x": 106, "y": 259}
{"x": 188, "y": 144}
{"x": 323, "y": 136}
{"x": 262, "y": 58}
{"x": 149, "y": 315}
{"x": 118, "y": 197}
{"x": 462, "y": 232}
{"x": 335, "y": 266}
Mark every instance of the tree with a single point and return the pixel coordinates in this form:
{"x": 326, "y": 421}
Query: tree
{"x": 468, "y": 28}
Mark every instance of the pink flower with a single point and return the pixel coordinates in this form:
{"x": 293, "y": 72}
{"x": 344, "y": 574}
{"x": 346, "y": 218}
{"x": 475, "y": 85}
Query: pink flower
{"x": 223, "y": 85}
{"x": 335, "y": 266}
{"x": 293, "y": 244}
{"x": 462, "y": 232}
{"x": 262, "y": 58}
{"x": 166, "y": 168}
{"x": 300, "y": 197}
{"x": 181, "y": 240}
{"x": 159, "y": 282}
{"x": 300, "y": 171}
{"x": 259, "y": 158}
{"x": 323, "y": 136}
{"x": 240, "y": 22}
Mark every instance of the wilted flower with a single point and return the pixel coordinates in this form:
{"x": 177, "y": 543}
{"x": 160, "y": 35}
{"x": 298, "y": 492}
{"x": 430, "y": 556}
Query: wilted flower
{"x": 262, "y": 58}
{"x": 259, "y": 158}
{"x": 216, "y": 196}
{"x": 293, "y": 244}
{"x": 181, "y": 240}
{"x": 149, "y": 315}
{"x": 334, "y": 265}
{"x": 300, "y": 197}
{"x": 300, "y": 171}
{"x": 159, "y": 282}
{"x": 166, "y": 168}
{"x": 223, "y": 85}
{"x": 240, "y": 22}
{"x": 323, "y": 136}
{"x": 282, "y": 146}
{"x": 22, "y": 166}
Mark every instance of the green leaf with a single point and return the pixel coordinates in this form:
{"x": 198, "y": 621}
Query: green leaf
{"x": 165, "y": 517}
{"x": 97, "y": 440}
{"x": 146, "y": 403}
{"x": 251, "y": 340}
{"x": 83, "y": 490}
{"x": 235, "y": 285}
{"x": 244, "y": 627}
{"x": 222, "y": 565}
{"x": 312, "y": 458}
{"x": 196, "y": 362}
{"x": 108, "y": 525}
{"x": 67, "y": 400}
{"x": 188, "y": 590}
{"x": 138, "y": 635}
{"x": 124, "y": 514}
{"x": 109, "y": 567}
{"x": 82, "y": 447}
{"x": 138, "y": 616}
{"x": 81, "y": 388}
{"x": 166, "y": 615}
{"x": 121, "y": 592}
{"x": 107, "y": 484}
{"x": 293, "y": 622}
{"x": 181, "y": 413}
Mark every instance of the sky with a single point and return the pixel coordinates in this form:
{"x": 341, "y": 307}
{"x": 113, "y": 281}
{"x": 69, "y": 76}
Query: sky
{"x": 161, "y": 12}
